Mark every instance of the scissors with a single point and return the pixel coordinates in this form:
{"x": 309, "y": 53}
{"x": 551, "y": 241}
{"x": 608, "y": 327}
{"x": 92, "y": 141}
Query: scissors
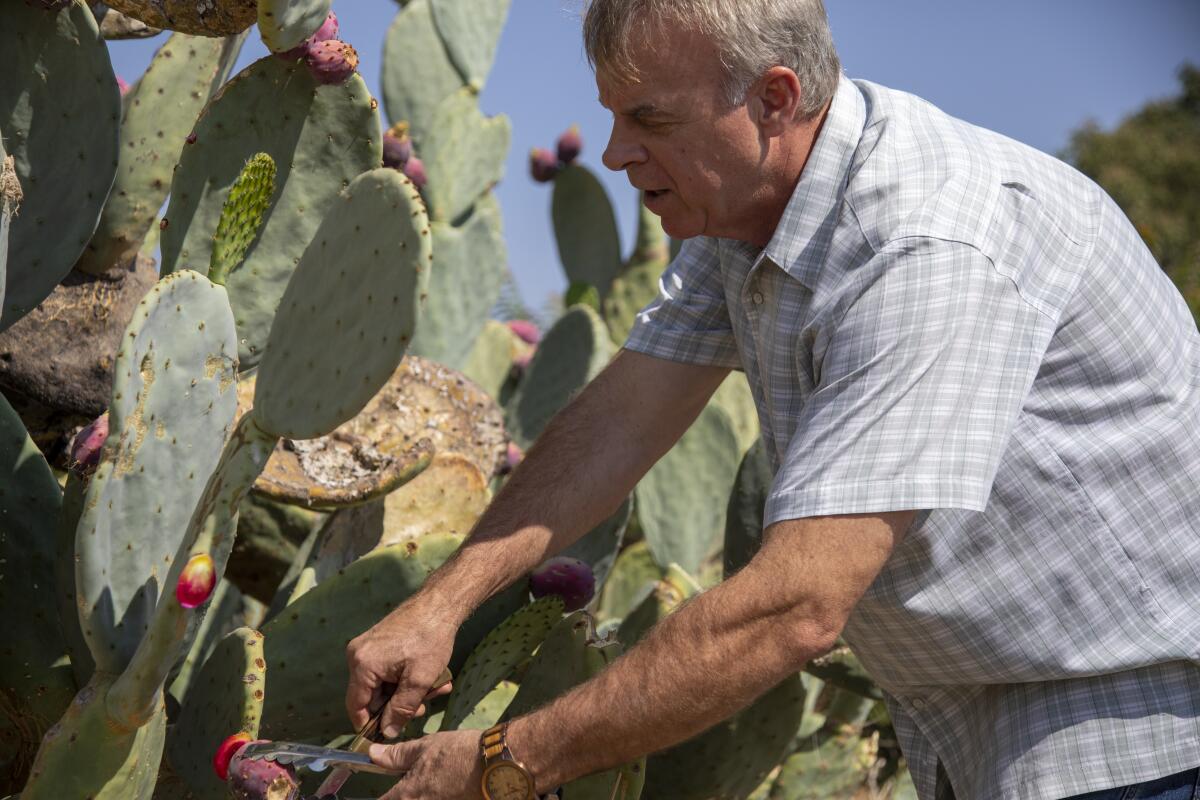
{"x": 344, "y": 762}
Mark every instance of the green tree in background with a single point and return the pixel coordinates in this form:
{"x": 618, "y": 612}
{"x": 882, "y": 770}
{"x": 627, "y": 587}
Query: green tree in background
{"x": 1150, "y": 164}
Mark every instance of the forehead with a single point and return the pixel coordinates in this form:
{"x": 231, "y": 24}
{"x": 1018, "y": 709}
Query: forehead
{"x": 671, "y": 65}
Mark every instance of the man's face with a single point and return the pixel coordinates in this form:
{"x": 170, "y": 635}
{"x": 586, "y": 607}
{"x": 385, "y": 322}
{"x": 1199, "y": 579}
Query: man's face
{"x": 676, "y": 137}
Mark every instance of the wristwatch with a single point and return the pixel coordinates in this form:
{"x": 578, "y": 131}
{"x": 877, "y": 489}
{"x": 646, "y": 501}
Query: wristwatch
{"x": 504, "y": 778}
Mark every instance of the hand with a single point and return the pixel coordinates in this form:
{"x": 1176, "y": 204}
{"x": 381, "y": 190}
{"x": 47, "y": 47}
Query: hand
{"x": 440, "y": 766}
{"x": 409, "y": 648}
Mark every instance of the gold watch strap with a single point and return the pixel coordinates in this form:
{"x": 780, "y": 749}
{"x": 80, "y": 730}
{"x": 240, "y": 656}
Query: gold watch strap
{"x": 493, "y": 743}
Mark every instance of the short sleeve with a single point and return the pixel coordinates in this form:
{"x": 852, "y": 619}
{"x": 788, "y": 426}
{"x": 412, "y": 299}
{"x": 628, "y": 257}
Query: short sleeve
{"x": 689, "y": 320}
{"x": 918, "y": 389}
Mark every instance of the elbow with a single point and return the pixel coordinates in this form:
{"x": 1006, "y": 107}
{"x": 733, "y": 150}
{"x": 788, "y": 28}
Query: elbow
{"x": 811, "y": 635}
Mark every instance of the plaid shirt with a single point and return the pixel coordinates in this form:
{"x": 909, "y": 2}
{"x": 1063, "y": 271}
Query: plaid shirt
{"x": 948, "y": 320}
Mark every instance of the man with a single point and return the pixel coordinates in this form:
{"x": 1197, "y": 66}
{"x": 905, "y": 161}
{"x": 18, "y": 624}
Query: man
{"x": 981, "y": 398}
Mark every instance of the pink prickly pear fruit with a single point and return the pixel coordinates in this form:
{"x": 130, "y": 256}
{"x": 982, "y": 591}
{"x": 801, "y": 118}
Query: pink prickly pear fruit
{"x": 327, "y": 31}
{"x": 331, "y": 62}
{"x": 565, "y": 577}
{"x": 196, "y": 582}
{"x": 122, "y": 85}
{"x": 525, "y": 330}
{"x": 414, "y": 169}
{"x": 226, "y": 752}
{"x": 252, "y": 779}
{"x": 397, "y": 147}
{"x": 513, "y": 456}
{"x": 570, "y": 144}
{"x": 543, "y": 165}
{"x": 86, "y": 447}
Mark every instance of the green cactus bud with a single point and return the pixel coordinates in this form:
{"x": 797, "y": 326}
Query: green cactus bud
{"x": 241, "y": 216}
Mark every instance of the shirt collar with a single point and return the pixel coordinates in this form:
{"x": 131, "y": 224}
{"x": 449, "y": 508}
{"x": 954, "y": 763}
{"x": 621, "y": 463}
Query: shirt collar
{"x": 805, "y": 230}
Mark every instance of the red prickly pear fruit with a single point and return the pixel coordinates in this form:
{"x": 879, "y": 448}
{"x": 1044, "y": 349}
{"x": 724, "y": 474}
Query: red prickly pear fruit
{"x": 414, "y": 169}
{"x": 543, "y": 166}
{"x": 331, "y": 62}
{"x": 565, "y": 577}
{"x": 525, "y": 330}
{"x": 252, "y": 779}
{"x": 327, "y": 31}
{"x": 196, "y": 582}
{"x": 86, "y": 447}
{"x": 226, "y": 752}
{"x": 570, "y": 144}
{"x": 122, "y": 85}
{"x": 397, "y": 147}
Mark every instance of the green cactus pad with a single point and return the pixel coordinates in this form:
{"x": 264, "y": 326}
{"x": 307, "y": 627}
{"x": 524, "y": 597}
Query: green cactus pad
{"x": 36, "y": 683}
{"x": 471, "y": 32}
{"x": 172, "y": 405}
{"x": 357, "y": 289}
{"x": 681, "y": 500}
{"x": 827, "y": 765}
{"x": 160, "y": 110}
{"x": 226, "y": 697}
{"x": 57, "y": 67}
{"x": 221, "y": 616}
{"x": 469, "y": 264}
{"x": 209, "y": 533}
{"x": 209, "y": 18}
{"x": 744, "y": 514}
{"x": 241, "y": 216}
{"x": 571, "y": 655}
{"x": 489, "y": 361}
{"x": 733, "y": 757}
{"x": 734, "y": 397}
{"x": 651, "y": 242}
{"x": 465, "y": 158}
{"x": 489, "y": 710}
{"x": 628, "y": 294}
{"x": 86, "y": 755}
{"x": 599, "y": 546}
{"x": 632, "y": 578}
{"x": 417, "y": 73}
{"x": 572, "y": 352}
{"x": 585, "y": 229}
{"x": 74, "y": 495}
{"x": 321, "y": 138}
{"x": 841, "y": 668}
{"x": 283, "y": 24}
{"x": 306, "y": 642}
{"x": 497, "y": 655}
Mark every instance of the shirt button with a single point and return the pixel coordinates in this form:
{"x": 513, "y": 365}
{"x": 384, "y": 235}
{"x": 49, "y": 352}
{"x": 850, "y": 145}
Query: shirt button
{"x": 758, "y": 298}
{"x": 918, "y": 703}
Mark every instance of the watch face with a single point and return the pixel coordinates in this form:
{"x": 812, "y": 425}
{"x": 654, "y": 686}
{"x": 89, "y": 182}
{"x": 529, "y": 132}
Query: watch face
{"x": 507, "y": 781}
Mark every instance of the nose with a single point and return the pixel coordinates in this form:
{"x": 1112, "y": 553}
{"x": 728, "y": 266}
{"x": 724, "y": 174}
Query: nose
{"x": 623, "y": 151}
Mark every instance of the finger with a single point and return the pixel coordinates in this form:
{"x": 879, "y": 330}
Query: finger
{"x": 444, "y": 689}
{"x": 405, "y": 702}
{"x": 399, "y": 757}
{"x": 359, "y": 692}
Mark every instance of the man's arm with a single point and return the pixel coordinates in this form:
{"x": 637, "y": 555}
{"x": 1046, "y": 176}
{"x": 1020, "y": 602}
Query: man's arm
{"x": 717, "y": 653}
{"x": 584, "y": 464}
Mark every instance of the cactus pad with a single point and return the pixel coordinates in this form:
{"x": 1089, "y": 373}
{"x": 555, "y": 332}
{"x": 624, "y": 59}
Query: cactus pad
{"x": 320, "y": 137}
{"x": 632, "y": 578}
{"x": 225, "y": 697}
{"x": 209, "y": 18}
{"x": 417, "y": 72}
{"x": 241, "y": 216}
{"x": 160, "y": 109}
{"x": 490, "y": 359}
{"x": 827, "y": 764}
{"x": 585, "y": 229}
{"x": 283, "y": 24}
{"x": 357, "y": 289}
{"x": 573, "y": 352}
{"x": 449, "y": 497}
{"x": 471, "y": 33}
{"x": 173, "y": 403}
{"x": 57, "y": 67}
{"x": 744, "y": 514}
{"x": 599, "y": 546}
{"x": 675, "y": 499}
{"x": 497, "y": 655}
{"x": 465, "y": 158}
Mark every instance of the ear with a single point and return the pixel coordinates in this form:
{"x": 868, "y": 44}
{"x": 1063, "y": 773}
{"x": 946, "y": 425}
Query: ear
{"x": 776, "y": 100}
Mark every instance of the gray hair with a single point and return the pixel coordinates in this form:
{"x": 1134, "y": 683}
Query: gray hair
{"x": 751, "y": 35}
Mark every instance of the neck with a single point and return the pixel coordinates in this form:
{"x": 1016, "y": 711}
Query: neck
{"x": 793, "y": 152}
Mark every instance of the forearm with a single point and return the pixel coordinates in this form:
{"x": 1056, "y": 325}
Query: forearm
{"x": 586, "y": 461}
{"x": 700, "y": 665}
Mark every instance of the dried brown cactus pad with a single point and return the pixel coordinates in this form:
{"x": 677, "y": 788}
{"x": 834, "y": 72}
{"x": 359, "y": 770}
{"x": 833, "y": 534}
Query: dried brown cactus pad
{"x": 197, "y": 17}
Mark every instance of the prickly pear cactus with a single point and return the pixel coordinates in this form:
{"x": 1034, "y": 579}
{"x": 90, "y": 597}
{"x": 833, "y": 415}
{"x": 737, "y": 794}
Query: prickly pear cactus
{"x": 58, "y": 68}
{"x": 210, "y": 18}
{"x": 417, "y": 72}
{"x": 283, "y": 24}
{"x": 585, "y": 229}
{"x": 471, "y": 32}
{"x": 744, "y": 514}
{"x": 320, "y": 137}
{"x": 173, "y": 403}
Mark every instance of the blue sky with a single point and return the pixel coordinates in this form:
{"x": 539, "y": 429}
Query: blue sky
{"x": 1030, "y": 69}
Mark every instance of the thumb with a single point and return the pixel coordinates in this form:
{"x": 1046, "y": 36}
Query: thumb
{"x": 399, "y": 757}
